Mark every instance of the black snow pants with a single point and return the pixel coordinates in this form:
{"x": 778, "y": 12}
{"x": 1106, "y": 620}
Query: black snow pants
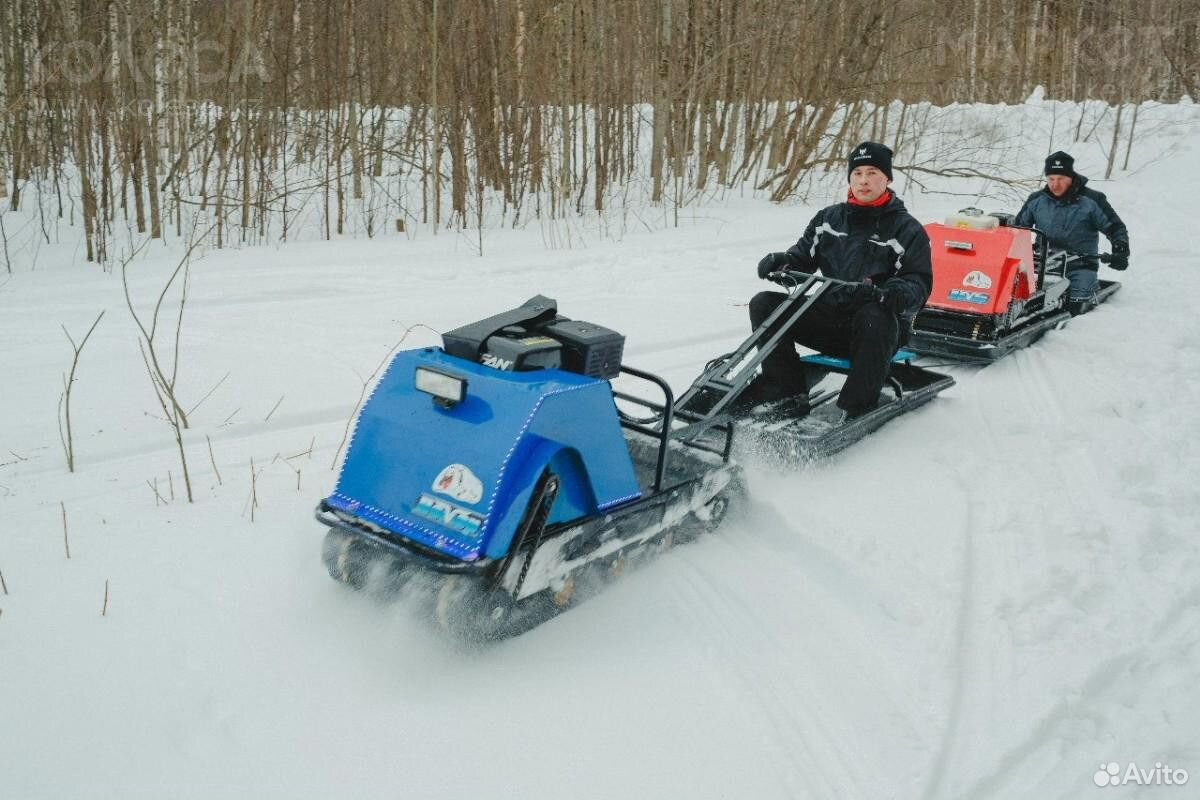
{"x": 867, "y": 337}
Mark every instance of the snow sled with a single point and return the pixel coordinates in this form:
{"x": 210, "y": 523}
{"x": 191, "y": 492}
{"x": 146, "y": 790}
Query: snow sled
{"x": 771, "y": 431}
{"x": 996, "y": 288}
{"x": 498, "y": 470}
{"x": 799, "y": 430}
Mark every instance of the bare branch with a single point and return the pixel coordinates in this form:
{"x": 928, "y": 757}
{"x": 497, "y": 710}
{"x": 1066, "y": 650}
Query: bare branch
{"x": 212, "y": 459}
{"x": 274, "y": 407}
{"x": 65, "y": 400}
{"x": 158, "y": 498}
{"x": 208, "y": 394}
{"x": 66, "y": 541}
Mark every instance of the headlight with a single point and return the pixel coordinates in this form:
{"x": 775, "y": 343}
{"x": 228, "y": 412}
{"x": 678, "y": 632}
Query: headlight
{"x": 446, "y": 389}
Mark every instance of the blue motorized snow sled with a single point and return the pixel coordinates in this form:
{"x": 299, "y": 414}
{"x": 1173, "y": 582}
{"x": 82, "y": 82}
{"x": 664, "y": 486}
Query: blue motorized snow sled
{"x": 500, "y": 470}
{"x": 499, "y": 463}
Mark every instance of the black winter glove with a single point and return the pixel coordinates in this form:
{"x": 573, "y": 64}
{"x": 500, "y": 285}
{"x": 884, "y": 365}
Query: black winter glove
{"x": 1120, "y": 257}
{"x": 894, "y": 297}
{"x": 773, "y": 262}
{"x": 864, "y": 294}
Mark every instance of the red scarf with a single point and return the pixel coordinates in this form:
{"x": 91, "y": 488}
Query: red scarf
{"x": 882, "y": 200}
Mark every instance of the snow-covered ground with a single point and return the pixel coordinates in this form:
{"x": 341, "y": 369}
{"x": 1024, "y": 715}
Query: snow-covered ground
{"x": 989, "y": 598}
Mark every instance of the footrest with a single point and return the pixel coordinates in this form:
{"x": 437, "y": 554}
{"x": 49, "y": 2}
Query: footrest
{"x": 843, "y": 364}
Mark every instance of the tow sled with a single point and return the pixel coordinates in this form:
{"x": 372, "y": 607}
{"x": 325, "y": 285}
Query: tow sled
{"x": 776, "y": 430}
{"x": 997, "y": 288}
{"x": 771, "y": 432}
{"x": 497, "y": 474}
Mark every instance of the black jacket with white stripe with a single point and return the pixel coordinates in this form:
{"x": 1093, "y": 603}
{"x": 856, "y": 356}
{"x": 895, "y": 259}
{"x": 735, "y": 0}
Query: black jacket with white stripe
{"x": 885, "y": 244}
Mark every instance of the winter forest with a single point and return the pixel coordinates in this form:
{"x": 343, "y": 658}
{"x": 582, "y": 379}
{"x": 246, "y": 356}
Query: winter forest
{"x": 245, "y": 117}
{"x": 223, "y": 222}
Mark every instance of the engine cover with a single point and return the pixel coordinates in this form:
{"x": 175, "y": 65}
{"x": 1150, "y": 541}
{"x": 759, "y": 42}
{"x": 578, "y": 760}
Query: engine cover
{"x": 521, "y": 354}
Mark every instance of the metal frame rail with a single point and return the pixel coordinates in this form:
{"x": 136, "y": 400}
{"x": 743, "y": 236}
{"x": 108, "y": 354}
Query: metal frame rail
{"x": 716, "y": 379}
{"x": 662, "y": 426}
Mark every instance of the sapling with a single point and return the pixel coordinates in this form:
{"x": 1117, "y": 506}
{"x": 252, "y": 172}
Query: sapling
{"x": 64, "y": 400}
{"x": 164, "y": 381}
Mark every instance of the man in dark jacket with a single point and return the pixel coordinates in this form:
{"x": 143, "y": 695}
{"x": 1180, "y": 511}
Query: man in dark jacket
{"x": 871, "y": 240}
{"x": 1072, "y": 215}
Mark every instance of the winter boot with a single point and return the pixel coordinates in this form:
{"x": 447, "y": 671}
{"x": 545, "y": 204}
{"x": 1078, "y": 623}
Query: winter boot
{"x": 1080, "y": 305}
{"x": 763, "y": 390}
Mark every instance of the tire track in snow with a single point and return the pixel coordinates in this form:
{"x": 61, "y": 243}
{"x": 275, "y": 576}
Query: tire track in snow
{"x": 1173, "y": 632}
{"x": 1040, "y": 388}
{"x": 819, "y": 755}
{"x": 984, "y": 520}
{"x": 240, "y": 432}
{"x": 795, "y": 741}
{"x": 1041, "y": 407}
{"x": 822, "y": 566}
{"x": 963, "y": 642}
{"x": 984, "y": 517}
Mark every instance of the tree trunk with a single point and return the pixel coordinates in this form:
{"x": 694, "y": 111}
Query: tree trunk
{"x": 662, "y": 102}
{"x": 151, "y": 157}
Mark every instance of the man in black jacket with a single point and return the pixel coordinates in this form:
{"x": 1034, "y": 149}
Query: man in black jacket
{"x": 871, "y": 240}
{"x": 1071, "y": 216}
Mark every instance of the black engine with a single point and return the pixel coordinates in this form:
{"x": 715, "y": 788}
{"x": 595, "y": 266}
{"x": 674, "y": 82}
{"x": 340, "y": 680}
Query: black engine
{"x": 533, "y": 336}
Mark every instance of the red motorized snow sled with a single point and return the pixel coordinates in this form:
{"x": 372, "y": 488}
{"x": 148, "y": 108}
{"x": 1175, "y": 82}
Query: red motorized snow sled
{"x": 996, "y": 288}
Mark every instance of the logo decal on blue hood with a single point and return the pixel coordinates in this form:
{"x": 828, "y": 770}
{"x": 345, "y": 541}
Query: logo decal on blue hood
{"x": 457, "y": 519}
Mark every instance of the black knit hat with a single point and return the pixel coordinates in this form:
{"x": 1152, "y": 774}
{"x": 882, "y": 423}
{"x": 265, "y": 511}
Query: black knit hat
{"x": 871, "y": 154}
{"x": 1060, "y": 163}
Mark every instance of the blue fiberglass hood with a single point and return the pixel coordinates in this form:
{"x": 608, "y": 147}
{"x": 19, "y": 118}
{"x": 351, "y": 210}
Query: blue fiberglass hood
{"x": 457, "y": 479}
